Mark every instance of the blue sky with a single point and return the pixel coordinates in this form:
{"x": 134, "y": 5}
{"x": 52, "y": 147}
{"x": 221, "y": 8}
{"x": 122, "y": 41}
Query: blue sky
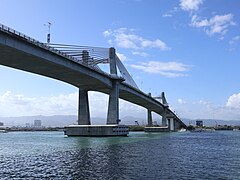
{"x": 187, "y": 48}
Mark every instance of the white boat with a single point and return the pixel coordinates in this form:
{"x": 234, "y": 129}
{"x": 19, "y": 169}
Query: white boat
{"x": 236, "y": 129}
{"x": 3, "y": 131}
{"x": 182, "y": 130}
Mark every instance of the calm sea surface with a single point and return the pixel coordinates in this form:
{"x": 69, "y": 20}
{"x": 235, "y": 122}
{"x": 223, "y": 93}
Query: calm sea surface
{"x": 51, "y": 155}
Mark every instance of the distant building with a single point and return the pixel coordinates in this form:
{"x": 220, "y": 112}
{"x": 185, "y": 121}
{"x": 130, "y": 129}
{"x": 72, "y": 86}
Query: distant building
{"x": 28, "y": 125}
{"x": 155, "y": 123}
{"x": 199, "y": 123}
{"x": 37, "y": 123}
{"x": 1, "y": 123}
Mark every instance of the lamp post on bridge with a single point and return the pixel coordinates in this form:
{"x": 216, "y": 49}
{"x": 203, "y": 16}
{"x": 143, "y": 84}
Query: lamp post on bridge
{"x": 48, "y": 35}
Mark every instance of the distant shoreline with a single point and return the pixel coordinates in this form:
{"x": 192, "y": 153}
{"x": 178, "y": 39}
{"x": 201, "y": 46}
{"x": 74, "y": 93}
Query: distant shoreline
{"x": 13, "y": 129}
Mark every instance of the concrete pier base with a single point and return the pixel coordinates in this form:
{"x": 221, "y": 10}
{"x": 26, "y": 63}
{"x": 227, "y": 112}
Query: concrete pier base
{"x": 96, "y": 130}
{"x": 156, "y": 129}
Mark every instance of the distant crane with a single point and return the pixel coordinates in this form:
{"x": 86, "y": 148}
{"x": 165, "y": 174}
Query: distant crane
{"x": 136, "y": 123}
{"x": 49, "y": 28}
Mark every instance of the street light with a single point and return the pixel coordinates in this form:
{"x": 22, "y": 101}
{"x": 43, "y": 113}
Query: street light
{"x": 49, "y": 28}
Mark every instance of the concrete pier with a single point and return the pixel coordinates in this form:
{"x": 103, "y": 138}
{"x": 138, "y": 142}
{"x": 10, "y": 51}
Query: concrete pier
{"x": 113, "y": 105}
{"x": 164, "y": 118}
{"x": 96, "y": 130}
{"x": 156, "y": 129}
{"x": 171, "y": 124}
{"x": 149, "y": 118}
{"x": 83, "y": 108}
{"x": 84, "y": 127}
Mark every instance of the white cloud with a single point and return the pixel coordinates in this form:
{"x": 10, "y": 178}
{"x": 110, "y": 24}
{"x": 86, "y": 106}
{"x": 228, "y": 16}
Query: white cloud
{"x": 170, "y": 13}
{"x": 122, "y": 57}
{"x": 167, "y": 15}
{"x": 234, "y": 40}
{"x": 20, "y": 105}
{"x": 154, "y": 44}
{"x": 181, "y": 101}
{"x": 203, "y": 102}
{"x": 106, "y": 33}
{"x": 221, "y": 38}
{"x": 234, "y": 101}
{"x": 168, "y": 69}
{"x": 233, "y": 43}
{"x": 12, "y": 105}
{"x": 190, "y": 5}
{"x": 218, "y": 24}
{"x": 205, "y": 109}
{"x": 140, "y": 53}
{"x": 99, "y": 104}
{"x": 126, "y": 38}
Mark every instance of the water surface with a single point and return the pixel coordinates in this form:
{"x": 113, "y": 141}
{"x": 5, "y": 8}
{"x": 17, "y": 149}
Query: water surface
{"x": 51, "y": 155}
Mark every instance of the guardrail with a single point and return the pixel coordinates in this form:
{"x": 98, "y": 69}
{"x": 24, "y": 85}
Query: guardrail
{"x": 45, "y": 46}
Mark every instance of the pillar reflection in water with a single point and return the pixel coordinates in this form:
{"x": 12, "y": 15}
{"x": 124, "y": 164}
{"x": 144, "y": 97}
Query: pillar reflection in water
{"x": 103, "y": 156}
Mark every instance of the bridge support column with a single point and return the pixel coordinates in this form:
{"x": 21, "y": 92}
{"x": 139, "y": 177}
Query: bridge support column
{"x": 149, "y": 115}
{"x": 176, "y": 125}
{"x": 149, "y": 112}
{"x": 83, "y": 108}
{"x": 171, "y": 124}
{"x": 164, "y": 118}
{"x": 113, "y": 104}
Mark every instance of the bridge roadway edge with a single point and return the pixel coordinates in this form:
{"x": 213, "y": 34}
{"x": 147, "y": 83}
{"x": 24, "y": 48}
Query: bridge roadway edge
{"x": 64, "y": 68}
{"x": 99, "y": 81}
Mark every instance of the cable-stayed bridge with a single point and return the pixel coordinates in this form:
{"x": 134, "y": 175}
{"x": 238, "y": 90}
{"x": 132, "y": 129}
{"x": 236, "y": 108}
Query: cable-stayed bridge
{"x": 80, "y": 66}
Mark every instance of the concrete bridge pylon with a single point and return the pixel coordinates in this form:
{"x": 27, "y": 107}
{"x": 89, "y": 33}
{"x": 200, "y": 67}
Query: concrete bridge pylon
{"x": 113, "y": 102}
{"x": 83, "y": 108}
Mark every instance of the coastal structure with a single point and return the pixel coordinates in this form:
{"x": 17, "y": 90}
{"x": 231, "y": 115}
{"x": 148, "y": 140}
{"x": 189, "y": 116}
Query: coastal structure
{"x": 79, "y": 66}
{"x": 96, "y": 130}
{"x": 37, "y": 123}
{"x": 199, "y": 123}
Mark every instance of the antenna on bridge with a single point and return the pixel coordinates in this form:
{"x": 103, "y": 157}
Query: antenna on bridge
{"x": 49, "y": 28}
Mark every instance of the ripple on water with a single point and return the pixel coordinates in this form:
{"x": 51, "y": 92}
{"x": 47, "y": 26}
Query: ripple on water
{"x": 50, "y": 155}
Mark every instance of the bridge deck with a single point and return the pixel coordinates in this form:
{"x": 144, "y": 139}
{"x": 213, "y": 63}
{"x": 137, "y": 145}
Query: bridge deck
{"x": 20, "y": 53}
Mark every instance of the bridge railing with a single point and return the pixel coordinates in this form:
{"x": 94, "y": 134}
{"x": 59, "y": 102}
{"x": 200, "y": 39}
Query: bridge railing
{"x": 48, "y": 47}
{"x": 90, "y": 56}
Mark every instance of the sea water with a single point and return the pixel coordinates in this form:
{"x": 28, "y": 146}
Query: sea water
{"x": 187, "y": 155}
